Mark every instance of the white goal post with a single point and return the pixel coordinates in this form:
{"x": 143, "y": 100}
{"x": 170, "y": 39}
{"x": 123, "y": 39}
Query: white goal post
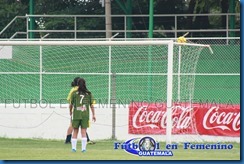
{"x": 170, "y": 61}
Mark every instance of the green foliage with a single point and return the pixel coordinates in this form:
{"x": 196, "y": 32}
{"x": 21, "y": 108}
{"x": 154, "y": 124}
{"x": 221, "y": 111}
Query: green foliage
{"x": 11, "y": 8}
{"x": 8, "y": 10}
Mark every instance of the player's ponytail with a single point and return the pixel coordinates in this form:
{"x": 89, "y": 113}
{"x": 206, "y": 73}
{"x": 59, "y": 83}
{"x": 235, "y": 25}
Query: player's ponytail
{"x": 75, "y": 82}
{"x": 82, "y": 86}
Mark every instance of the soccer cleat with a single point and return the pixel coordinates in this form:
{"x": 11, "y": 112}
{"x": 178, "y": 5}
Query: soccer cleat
{"x": 73, "y": 150}
{"x": 90, "y": 142}
{"x": 67, "y": 142}
{"x": 83, "y": 151}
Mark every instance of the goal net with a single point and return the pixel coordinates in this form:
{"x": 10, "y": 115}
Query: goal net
{"x": 131, "y": 74}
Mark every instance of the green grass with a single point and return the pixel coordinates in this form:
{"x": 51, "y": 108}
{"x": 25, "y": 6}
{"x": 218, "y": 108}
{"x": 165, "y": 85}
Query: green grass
{"x": 40, "y": 149}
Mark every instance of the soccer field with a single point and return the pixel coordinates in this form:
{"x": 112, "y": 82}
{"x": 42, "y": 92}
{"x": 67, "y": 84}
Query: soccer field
{"x": 39, "y": 149}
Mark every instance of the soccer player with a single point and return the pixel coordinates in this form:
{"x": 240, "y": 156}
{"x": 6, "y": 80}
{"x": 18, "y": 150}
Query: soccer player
{"x": 74, "y": 85}
{"x": 81, "y": 103}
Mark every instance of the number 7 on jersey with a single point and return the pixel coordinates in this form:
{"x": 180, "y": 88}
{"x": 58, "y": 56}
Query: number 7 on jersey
{"x": 82, "y": 97}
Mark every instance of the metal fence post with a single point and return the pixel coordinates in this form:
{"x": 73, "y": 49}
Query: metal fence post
{"x": 75, "y": 28}
{"x": 113, "y": 105}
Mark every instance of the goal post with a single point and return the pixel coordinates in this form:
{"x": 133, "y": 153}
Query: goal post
{"x": 53, "y": 63}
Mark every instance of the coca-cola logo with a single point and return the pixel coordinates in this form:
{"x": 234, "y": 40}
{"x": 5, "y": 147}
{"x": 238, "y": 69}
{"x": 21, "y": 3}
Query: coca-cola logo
{"x": 214, "y": 119}
{"x": 146, "y": 117}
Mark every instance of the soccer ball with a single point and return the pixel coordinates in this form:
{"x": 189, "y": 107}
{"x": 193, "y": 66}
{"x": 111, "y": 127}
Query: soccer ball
{"x": 181, "y": 39}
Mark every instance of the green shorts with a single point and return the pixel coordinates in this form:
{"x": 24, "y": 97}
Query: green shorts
{"x": 80, "y": 123}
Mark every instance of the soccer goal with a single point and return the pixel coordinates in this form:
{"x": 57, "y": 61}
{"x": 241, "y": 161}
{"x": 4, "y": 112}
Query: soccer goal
{"x": 119, "y": 72}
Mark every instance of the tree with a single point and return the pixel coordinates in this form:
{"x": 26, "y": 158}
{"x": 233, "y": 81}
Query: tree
{"x": 208, "y": 22}
{"x": 11, "y": 8}
{"x": 70, "y": 7}
{"x": 8, "y": 10}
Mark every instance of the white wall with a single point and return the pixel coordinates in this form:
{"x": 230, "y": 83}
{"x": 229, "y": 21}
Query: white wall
{"x": 50, "y": 121}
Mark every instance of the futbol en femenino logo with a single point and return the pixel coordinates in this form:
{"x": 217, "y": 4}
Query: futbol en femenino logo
{"x": 145, "y": 146}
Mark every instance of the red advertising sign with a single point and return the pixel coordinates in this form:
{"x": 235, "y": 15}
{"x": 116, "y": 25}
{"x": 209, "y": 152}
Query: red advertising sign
{"x": 220, "y": 121}
{"x": 146, "y": 118}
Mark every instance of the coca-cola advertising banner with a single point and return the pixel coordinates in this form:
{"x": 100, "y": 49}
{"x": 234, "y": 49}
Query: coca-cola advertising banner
{"x": 217, "y": 119}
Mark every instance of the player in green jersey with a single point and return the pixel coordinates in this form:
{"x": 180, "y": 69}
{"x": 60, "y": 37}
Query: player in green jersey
{"x": 70, "y": 129}
{"x": 81, "y": 101}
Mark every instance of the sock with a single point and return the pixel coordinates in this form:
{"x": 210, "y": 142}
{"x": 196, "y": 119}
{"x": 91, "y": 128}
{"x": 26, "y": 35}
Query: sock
{"x": 88, "y": 139}
{"x": 83, "y": 143}
{"x": 68, "y": 138}
{"x": 74, "y": 143}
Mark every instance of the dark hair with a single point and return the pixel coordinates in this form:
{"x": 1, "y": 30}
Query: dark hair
{"x": 75, "y": 82}
{"x": 82, "y": 86}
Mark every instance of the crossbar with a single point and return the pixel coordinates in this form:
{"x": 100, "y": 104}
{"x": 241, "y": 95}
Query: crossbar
{"x": 79, "y": 43}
